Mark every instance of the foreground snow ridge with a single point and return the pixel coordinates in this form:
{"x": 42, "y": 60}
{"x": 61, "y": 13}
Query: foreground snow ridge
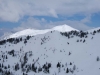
{"x": 31, "y": 32}
{"x": 59, "y": 51}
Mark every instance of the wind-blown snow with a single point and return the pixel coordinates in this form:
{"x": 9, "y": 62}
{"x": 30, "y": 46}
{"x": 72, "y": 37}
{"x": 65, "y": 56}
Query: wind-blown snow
{"x": 31, "y": 32}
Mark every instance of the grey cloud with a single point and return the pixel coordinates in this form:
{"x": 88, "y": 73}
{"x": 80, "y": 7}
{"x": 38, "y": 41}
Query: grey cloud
{"x": 14, "y": 10}
{"x": 32, "y": 23}
{"x": 43, "y": 24}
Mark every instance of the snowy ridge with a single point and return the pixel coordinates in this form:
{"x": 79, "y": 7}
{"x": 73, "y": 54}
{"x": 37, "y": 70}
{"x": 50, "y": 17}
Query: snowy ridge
{"x": 94, "y": 29}
{"x": 31, "y": 32}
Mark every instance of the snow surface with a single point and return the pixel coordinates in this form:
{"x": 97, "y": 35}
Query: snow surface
{"x": 91, "y": 30}
{"x": 31, "y": 32}
{"x": 52, "y": 47}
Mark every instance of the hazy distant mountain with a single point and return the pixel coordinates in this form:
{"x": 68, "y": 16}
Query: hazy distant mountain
{"x": 5, "y": 32}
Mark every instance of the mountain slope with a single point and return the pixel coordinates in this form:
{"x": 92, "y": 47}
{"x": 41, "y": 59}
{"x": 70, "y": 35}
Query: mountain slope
{"x": 52, "y": 53}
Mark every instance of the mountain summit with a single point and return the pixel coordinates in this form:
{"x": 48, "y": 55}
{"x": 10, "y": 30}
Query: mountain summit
{"x": 63, "y": 28}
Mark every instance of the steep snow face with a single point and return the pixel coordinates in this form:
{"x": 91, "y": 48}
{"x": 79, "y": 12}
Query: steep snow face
{"x": 31, "y": 32}
{"x": 77, "y": 54}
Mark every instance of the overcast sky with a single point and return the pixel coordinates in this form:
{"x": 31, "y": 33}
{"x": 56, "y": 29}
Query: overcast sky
{"x": 17, "y": 15}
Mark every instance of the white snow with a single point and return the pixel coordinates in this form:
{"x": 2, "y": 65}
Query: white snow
{"x": 32, "y": 32}
{"x": 55, "y": 48}
{"x": 91, "y": 30}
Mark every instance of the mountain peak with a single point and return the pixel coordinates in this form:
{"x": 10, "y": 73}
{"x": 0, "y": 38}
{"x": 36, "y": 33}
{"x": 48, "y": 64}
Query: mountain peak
{"x": 63, "y": 28}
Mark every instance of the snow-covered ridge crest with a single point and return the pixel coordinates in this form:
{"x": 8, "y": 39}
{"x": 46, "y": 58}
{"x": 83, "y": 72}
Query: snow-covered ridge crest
{"x": 32, "y": 32}
{"x": 94, "y": 29}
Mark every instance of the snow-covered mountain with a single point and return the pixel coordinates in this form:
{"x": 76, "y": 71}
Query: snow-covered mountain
{"x": 31, "y": 32}
{"x": 61, "y": 50}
